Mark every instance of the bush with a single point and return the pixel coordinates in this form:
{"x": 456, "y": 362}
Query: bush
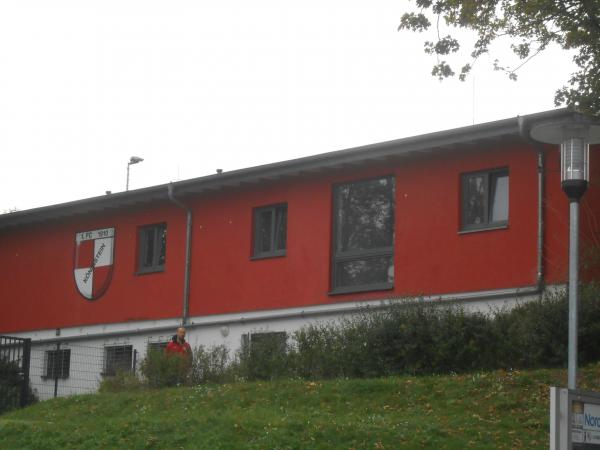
{"x": 589, "y": 323}
{"x": 533, "y": 334}
{"x": 11, "y": 381}
{"x": 317, "y": 352}
{"x": 405, "y": 337}
{"x": 208, "y": 365}
{"x": 415, "y": 337}
{"x": 265, "y": 357}
{"x": 121, "y": 382}
{"x": 212, "y": 365}
{"x": 160, "y": 369}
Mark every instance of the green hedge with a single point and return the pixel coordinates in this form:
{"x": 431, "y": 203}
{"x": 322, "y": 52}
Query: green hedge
{"x": 407, "y": 337}
{"x": 416, "y": 337}
{"x": 11, "y": 381}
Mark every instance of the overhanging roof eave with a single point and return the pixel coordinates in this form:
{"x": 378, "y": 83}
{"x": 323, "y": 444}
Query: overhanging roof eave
{"x": 442, "y": 140}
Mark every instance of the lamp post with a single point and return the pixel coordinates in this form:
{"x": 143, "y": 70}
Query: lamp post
{"x": 574, "y": 135}
{"x": 132, "y": 160}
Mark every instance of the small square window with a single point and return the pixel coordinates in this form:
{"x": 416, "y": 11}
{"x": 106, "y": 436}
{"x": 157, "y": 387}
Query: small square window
{"x": 270, "y": 231}
{"x": 58, "y": 363}
{"x": 484, "y": 200}
{"x": 117, "y": 358}
{"x": 152, "y": 248}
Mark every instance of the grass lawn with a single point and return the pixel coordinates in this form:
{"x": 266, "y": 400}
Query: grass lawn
{"x": 481, "y": 410}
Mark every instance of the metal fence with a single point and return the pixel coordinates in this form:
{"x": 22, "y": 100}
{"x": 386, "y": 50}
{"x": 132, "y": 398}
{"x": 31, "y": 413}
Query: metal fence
{"x": 14, "y": 372}
{"x": 67, "y": 368}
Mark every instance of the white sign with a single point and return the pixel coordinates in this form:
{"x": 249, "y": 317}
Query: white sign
{"x": 591, "y": 417}
{"x": 93, "y": 262}
{"x": 95, "y": 234}
{"x": 591, "y": 423}
{"x": 574, "y": 419}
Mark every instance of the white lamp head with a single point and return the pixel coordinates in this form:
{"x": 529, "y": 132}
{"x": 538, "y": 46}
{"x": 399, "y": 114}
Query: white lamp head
{"x": 574, "y": 135}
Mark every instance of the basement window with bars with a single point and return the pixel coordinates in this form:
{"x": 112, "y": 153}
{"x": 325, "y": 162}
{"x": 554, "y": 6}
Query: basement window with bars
{"x": 117, "y": 358}
{"x": 270, "y": 231}
{"x": 152, "y": 245}
{"x": 57, "y": 363}
{"x": 363, "y": 235}
{"x": 484, "y": 200}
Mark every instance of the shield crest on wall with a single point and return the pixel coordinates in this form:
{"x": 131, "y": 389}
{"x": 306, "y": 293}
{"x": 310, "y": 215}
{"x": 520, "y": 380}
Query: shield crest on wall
{"x": 93, "y": 262}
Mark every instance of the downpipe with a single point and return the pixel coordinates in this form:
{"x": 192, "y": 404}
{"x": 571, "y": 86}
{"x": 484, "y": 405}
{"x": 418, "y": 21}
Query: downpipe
{"x": 524, "y": 129}
{"x": 188, "y": 255}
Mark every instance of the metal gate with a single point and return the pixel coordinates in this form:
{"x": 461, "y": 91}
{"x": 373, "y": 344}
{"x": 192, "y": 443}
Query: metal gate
{"x": 14, "y": 373}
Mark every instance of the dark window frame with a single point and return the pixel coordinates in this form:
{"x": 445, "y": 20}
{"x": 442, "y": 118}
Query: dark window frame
{"x": 116, "y": 364}
{"x": 57, "y": 368}
{"x": 257, "y": 253}
{"x": 489, "y": 175}
{"x": 158, "y": 229}
{"x": 356, "y": 255}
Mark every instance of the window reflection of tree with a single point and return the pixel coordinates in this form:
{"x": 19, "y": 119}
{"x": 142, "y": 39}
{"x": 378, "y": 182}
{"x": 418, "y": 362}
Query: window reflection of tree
{"x": 163, "y": 247}
{"x": 365, "y": 233}
{"x": 475, "y": 200}
{"x": 149, "y": 248}
{"x": 366, "y": 271}
{"x": 366, "y": 215}
{"x": 280, "y": 229}
{"x": 485, "y": 199}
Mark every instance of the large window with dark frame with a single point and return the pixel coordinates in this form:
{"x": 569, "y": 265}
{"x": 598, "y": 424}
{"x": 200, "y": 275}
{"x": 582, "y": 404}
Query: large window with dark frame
{"x": 363, "y": 245}
{"x": 270, "y": 231}
{"x": 152, "y": 248}
{"x": 58, "y": 363}
{"x": 117, "y": 358}
{"x": 484, "y": 199}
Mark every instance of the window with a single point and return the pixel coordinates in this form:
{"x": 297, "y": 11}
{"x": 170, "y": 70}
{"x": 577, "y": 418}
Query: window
{"x": 264, "y": 354}
{"x": 363, "y": 247}
{"x": 117, "y": 358}
{"x": 270, "y": 231}
{"x": 484, "y": 200}
{"x": 57, "y": 363}
{"x": 267, "y": 342}
{"x": 152, "y": 248}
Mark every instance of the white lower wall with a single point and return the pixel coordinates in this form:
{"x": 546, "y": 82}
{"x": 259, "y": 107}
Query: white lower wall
{"x": 88, "y": 344}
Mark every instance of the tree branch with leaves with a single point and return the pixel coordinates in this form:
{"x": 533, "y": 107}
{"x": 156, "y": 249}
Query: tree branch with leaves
{"x": 533, "y": 24}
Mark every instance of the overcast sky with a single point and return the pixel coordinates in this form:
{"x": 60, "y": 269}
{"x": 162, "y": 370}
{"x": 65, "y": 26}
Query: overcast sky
{"x": 192, "y": 86}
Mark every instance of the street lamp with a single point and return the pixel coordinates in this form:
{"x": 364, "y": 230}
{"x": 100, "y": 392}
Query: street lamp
{"x": 132, "y": 160}
{"x": 574, "y": 135}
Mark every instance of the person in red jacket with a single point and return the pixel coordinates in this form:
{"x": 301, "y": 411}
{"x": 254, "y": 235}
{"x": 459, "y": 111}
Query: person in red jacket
{"x": 179, "y": 350}
{"x": 179, "y": 346}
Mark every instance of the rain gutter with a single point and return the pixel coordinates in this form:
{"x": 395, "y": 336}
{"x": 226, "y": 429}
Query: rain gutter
{"x": 188, "y": 255}
{"x": 524, "y": 130}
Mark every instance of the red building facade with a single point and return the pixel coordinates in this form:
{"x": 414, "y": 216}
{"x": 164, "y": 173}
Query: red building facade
{"x": 473, "y": 215}
{"x": 433, "y": 252}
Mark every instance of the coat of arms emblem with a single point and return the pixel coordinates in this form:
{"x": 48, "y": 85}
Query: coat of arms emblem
{"x": 93, "y": 263}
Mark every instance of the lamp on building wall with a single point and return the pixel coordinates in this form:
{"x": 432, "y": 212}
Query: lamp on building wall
{"x": 574, "y": 135}
{"x": 132, "y": 160}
